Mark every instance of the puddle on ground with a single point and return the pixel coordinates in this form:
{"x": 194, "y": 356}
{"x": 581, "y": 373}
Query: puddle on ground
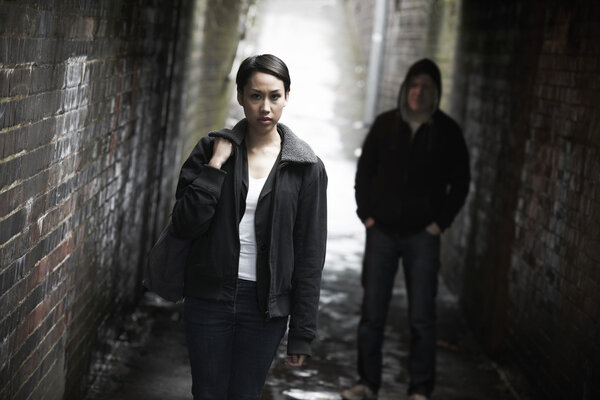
{"x": 307, "y": 395}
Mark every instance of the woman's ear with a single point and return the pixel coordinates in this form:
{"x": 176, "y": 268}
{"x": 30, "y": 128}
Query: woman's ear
{"x": 240, "y": 97}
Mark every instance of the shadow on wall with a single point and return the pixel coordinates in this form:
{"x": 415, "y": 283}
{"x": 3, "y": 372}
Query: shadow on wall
{"x": 519, "y": 256}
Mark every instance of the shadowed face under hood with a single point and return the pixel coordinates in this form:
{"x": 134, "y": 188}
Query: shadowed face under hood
{"x": 423, "y": 66}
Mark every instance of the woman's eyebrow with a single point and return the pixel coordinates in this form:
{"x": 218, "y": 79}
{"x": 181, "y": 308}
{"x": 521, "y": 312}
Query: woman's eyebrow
{"x": 260, "y": 91}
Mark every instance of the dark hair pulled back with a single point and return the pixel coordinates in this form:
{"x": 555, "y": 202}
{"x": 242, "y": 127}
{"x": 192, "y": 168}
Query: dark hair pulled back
{"x": 267, "y": 63}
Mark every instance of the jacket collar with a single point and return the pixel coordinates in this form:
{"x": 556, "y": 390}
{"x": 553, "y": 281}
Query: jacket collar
{"x": 293, "y": 149}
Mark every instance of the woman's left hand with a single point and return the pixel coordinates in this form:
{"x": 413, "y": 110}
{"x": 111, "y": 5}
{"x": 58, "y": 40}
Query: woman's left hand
{"x": 295, "y": 360}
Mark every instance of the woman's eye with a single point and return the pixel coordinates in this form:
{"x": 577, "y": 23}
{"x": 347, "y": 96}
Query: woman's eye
{"x": 255, "y": 96}
{"x": 275, "y": 96}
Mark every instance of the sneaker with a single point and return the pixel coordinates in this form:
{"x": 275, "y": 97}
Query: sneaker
{"x": 359, "y": 392}
{"x": 417, "y": 396}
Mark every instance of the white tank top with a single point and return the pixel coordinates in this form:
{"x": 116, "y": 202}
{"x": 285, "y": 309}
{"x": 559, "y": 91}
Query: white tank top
{"x": 247, "y": 266}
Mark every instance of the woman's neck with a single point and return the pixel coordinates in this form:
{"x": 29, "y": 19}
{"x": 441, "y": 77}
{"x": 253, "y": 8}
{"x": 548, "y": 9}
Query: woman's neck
{"x": 262, "y": 153}
{"x": 256, "y": 140}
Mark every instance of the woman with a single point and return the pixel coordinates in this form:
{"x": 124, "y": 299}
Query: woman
{"x": 253, "y": 199}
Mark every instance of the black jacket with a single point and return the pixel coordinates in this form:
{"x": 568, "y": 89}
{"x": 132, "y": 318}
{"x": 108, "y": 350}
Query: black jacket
{"x": 406, "y": 185}
{"x": 290, "y": 224}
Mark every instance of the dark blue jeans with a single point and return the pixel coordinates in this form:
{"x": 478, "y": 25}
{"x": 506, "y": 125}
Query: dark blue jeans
{"x": 420, "y": 260}
{"x": 231, "y": 345}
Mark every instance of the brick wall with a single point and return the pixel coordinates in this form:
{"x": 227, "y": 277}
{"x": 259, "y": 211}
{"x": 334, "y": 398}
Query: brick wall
{"x": 528, "y": 93}
{"x": 95, "y": 99}
{"x": 521, "y": 78}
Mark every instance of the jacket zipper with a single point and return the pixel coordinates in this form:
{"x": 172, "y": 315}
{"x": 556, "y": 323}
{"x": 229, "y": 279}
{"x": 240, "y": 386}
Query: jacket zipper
{"x": 273, "y": 205}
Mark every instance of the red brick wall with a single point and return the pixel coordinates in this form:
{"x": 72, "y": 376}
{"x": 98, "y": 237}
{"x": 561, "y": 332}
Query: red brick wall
{"x": 521, "y": 77}
{"x": 93, "y": 104}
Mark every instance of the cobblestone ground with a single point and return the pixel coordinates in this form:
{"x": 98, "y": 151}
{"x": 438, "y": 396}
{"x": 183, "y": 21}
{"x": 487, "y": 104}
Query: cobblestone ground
{"x": 325, "y": 109}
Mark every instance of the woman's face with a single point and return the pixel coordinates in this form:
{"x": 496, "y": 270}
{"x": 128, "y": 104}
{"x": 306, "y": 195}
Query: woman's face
{"x": 263, "y": 98}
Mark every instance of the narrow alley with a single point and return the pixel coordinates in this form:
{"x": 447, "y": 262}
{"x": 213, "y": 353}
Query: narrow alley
{"x": 102, "y": 101}
{"x": 326, "y": 108}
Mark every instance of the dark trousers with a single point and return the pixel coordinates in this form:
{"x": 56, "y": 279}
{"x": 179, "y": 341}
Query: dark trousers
{"x": 231, "y": 345}
{"x": 420, "y": 260}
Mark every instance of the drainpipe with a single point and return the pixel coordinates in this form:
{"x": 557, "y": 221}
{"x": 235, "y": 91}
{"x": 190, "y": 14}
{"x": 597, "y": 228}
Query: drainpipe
{"x": 375, "y": 59}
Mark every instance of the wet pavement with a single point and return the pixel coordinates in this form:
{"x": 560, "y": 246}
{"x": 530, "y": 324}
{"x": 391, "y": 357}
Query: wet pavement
{"x": 325, "y": 109}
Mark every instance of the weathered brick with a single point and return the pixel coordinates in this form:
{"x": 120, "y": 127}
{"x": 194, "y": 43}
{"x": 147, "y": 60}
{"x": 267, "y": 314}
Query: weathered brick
{"x": 83, "y": 89}
{"x": 4, "y": 82}
{"x": 49, "y": 51}
{"x": 12, "y": 225}
{"x": 9, "y": 171}
{"x": 7, "y": 143}
{"x": 20, "y": 81}
{"x": 46, "y": 78}
{"x": 4, "y": 111}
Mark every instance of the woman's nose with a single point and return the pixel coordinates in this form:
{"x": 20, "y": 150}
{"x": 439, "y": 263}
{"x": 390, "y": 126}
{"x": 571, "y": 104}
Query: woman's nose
{"x": 265, "y": 106}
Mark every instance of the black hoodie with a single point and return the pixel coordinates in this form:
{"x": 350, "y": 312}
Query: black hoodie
{"x": 405, "y": 185}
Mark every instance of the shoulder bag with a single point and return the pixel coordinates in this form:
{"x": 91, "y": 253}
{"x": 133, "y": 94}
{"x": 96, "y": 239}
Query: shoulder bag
{"x": 164, "y": 271}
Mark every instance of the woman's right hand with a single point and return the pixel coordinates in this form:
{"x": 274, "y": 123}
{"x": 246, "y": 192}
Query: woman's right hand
{"x": 222, "y": 150}
{"x": 295, "y": 360}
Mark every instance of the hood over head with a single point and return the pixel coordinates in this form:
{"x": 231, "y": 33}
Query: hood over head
{"x": 423, "y": 66}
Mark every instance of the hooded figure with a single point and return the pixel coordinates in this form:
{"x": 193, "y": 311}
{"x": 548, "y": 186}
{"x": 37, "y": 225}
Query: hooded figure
{"x": 414, "y": 166}
{"x": 423, "y": 66}
{"x": 411, "y": 181}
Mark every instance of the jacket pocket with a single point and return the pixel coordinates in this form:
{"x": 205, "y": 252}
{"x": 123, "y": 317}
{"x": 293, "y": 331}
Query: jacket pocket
{"x": 416, "y": 211}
